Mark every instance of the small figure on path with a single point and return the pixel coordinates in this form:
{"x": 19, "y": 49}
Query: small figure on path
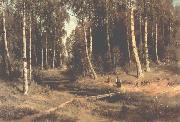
{"x": 118, "y": 82}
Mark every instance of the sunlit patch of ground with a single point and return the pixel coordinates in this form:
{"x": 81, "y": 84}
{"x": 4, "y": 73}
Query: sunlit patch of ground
{"x": 156, "y": 97}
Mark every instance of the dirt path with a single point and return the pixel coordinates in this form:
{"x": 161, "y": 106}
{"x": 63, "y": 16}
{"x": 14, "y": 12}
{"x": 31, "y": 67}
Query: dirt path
{"x": 155, "y": 98}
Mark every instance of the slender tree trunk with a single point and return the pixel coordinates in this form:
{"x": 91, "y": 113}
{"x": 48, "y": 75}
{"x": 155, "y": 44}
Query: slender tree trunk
{"x": 42, "y": 46}
{"x": 35, "y": 55}
{"x": 107, "y": 32}
{"x": 24, "y": 54}
{"x": 90, "y": 43}
{"x": 135, "y": 51}
{"x": 54, "y": 56}
{"x": 54, "y": 50}
{"x": 128, "y": 45}
{"x": 129, "y": 52}
{"x": 6, "y": 56}
{"x": 146, "y": 45}
{"x": 140, "y": 37}
{"x": 87, "y": 55}
{"x": 42, "y": 58}
{"x": 30, "y": 50}
{"x": 156, "y": 45}
{"x": 46, "y": 58}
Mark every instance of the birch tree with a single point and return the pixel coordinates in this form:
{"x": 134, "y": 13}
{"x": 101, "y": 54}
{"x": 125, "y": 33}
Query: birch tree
{"x": 6, "y": 56}
{"x": 156, "y": 42}
{"x": 107, "y": 32}
{"x": 146, "y": 37}
{"x": 135, "y": 50}
{"x": 25, "y": 73}
{"x": 30, "y": 48}
{"x": 87, "y": 53}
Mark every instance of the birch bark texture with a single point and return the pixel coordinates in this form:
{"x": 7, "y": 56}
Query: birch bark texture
{"x": 30, "y": 49}
{"x": 6, "y": 56}
{"x": 87, "y": 54}
{"x": 156, "y": 44}
{"x": 146, "y": 45}
{"x": 25, "y": 73}
{"x": 135, "y": 50}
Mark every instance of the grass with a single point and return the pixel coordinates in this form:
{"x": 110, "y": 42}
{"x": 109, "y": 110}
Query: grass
{"x": 159, "y": 100}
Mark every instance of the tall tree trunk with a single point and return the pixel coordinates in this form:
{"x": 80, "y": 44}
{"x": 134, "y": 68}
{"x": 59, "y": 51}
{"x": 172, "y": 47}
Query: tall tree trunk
{"x": 146, "y": 45}
{"x": 54, "y": 56}
{"x": 42, "y": 45}
{"x": 24, "y": 54}
{"x": 107, "y": 32}
{"x": 156, "y": 45}
{"x": 128, "y": 48}
{"x": 140, "y": 36}
{"x": 42, "y": 58}
{"x": 6, "y": 56}
{"x": 46, "y": 58}
{"x": 30, "y": 49}
{"x": 35, "y": 55}
{"x": 135, "y": 51}
{"x": 127, "y": 35}
{"x": 87, "y": 55}
{"x": 90, "y": 43}
{"x": 54, "y": 50}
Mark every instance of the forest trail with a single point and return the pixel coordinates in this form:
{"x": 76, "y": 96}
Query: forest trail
{"x": 156, "y": 97}
{"x": 120, "y": 63}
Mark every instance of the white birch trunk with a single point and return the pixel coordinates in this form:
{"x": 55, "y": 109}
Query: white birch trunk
{"x": 129, "y": 52}
{"x": 87, "y": 55}
{"x": 90, "y": 43}
{"x": 54, "y": 57}
{"x": 135, "y": 51}
{"x": 30, "y": 50}
{"x": 156, "y": 45}
{"x": 146, "y": 46}
{"x": 141, "y": 42}
{"x": 24, "y": 54}
{"x": 127, "y": 34}
{"x": 42, "y": 58}
{"x": 46, "y": 58}
{"x": 6, "y": 56}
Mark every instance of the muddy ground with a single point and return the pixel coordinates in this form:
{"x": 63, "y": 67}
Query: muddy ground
{"x": 154, "y": 98}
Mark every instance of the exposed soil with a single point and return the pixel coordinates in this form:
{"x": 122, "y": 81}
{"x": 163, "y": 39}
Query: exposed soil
{"x": 156, "y": 97}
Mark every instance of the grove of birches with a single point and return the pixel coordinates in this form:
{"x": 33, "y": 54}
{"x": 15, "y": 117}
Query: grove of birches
{"x": 109, "y": 34}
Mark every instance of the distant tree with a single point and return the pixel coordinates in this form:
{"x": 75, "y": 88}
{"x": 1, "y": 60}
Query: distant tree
{"x": 6, "y": 55}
